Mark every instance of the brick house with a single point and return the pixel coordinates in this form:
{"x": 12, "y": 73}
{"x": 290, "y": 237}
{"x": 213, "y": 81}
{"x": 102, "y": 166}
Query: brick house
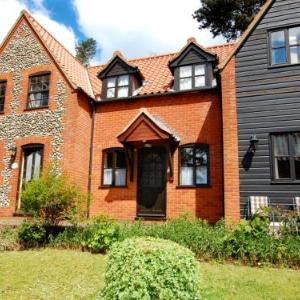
{"x": 148, "y": 137}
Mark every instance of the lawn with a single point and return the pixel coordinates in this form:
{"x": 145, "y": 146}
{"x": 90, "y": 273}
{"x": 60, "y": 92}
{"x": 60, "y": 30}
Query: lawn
{"x": 60, "y": 274}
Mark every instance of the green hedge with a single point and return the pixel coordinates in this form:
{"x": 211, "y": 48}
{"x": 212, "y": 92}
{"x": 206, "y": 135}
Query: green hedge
{"x": 149, "y": 268}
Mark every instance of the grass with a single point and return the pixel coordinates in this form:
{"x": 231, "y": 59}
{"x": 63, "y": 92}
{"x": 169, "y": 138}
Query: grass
{"x": 61, "y": 274}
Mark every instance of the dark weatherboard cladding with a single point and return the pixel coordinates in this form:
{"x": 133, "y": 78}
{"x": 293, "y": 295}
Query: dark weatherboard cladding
{"x": 268, "y": 101}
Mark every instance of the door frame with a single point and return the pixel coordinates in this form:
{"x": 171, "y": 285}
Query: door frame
{"x": 152, "y": 216}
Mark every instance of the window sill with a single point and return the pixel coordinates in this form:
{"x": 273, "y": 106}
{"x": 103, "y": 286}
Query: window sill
{"x": 179, "y": 187}
{"x": 36, "y": 108}
{"x": 108, "y": 187}
{"x": 282, "y": 65}
{"x": 287, "y": 182}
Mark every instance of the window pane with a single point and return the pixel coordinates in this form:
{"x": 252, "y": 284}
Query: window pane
{"x": 294, "y": 36}
{"x": 199, "y": 81}
{"x": 281, "y": 145}
{"x": 28, "y": 166}
{"x": 278, "y": 39}
{"x": 108, "y": 159}
{"x": 186, "y": 176}
{"x": 187, "y": 157}
{"x": 120, "y": 160}
{"x": 122, "y": 92}
{"x": 199, "y": 70}
{"x": 123, "y": 80}
{"x": 111, "y": 82}
{"x": 111, "y": 93}
{"x": 295, "y": 55}
{"x": 185, "y": 71}
{"x": 200, "y": 157}
{"x": 282, "y": 168}
{"x": 201, "y": 175}
{"x": 186, "y": 84}
{"x": 37, "y": 164}
{"x": 120, "y": 177}
{"x": 278, "y": 56}
{"x": 107, "y": 176}
{"x": 296, "y": 139}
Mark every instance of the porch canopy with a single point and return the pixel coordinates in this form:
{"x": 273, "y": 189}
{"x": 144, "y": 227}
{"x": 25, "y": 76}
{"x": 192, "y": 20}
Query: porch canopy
{"x": 147, "y": 130}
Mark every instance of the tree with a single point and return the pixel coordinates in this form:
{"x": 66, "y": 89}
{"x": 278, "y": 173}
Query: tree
{"x": 228, "y": 18}
{"x": 86, "y": 50}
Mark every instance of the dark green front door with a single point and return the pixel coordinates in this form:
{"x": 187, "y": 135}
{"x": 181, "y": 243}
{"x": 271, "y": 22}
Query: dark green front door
{"x": 152, "y": 182}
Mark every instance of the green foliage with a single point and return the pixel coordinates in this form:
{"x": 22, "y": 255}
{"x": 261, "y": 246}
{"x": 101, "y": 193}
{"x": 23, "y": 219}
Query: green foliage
{"x": 69, "y": 238}
{"x": 86, "y": 50}
{"x": 228, "y": 18}
{"x": 8, "y": 239}
{"x": 53, "y": 198}
{"x": 148, "y": 268}
{"x": 32, "y": 234}
{"x": 100, "y": 234}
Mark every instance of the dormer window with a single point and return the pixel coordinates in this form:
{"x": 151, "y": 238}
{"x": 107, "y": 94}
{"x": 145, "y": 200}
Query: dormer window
{"x": 118, "y": 87}
{"x": 193, "y": 76}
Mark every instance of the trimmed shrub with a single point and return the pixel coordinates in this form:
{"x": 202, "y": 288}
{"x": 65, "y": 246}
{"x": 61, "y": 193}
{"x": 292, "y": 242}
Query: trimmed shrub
{"x": 8, "y": 239}
{"x": 100, "y": 234}
{"x": 53, "y": 198}
{"x": 32, "y": 234}
{"x": 149, "y": 268}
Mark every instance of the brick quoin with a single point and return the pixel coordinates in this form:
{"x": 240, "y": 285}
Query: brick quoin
{"x": 230, "y": 144}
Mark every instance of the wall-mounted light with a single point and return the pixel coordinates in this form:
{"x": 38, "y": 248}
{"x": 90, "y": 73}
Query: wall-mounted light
{"x": 12, "y": 152}
{"x": 253, "y": 143}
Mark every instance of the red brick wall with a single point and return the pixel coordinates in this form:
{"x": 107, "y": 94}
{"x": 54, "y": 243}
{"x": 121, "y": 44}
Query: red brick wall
{"x": 230, "y": 143}
{"x": 196, "y": 117}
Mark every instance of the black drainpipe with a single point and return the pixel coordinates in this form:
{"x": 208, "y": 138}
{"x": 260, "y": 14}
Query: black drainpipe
{"x": 89, "y": 187}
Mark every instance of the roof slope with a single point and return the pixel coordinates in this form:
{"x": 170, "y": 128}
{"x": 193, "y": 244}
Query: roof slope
{"x": 263, "y": 10}
{"x": 155, "y": 70}
{"x": 72, "y": 69}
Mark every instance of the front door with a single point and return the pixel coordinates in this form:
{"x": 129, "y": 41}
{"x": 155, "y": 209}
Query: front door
{"x": 152, "y": 182}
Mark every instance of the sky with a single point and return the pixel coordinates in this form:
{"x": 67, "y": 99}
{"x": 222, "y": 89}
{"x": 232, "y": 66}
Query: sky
{"x": 134, "y": 27}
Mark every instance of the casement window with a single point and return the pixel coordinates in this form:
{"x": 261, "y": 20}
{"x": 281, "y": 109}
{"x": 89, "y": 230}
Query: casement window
{"x": 114, "y": 167}
{"x": 2, "y": 95}
{"x": 38, "y": 94}
{"x": 286, "y": 156}
{"x": 117, "y": 87}
{"x": 192, "y": 76}
{"x": 33, "y": 159}
{"x": 194, "y": 165}
{"x": 285, "y": 46}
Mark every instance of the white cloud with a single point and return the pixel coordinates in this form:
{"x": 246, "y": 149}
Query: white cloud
{"x": 10, "y": 11}
{"x": 138, "y": 28}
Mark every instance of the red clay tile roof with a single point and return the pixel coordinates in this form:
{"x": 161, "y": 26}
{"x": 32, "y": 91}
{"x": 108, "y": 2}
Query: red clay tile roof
{"x": 72, "y": 68}
{"x": 155, "y": 70}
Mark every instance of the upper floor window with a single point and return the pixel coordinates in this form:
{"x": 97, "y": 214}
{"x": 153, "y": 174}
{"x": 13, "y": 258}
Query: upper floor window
{"x": 194, "y": 168}
{"x": 2, "y": 95}
{"x": 114, "y": 167}
{"x": 285, "y": 46}
{"x": 117, "y": 87}
{"x": 286, "y": 156}
{"x": 193, "y": 76}
{"x": 38, "y": 94}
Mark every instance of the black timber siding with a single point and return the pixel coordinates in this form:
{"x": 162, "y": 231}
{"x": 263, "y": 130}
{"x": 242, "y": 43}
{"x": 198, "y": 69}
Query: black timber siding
{"x": 268, "y": 100}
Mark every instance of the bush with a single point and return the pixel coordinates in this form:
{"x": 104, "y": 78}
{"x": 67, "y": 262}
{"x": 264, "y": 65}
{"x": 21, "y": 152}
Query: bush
{"x": 8, "y": 239}
{"x": 149, "y": 268}
{"x": 52, "y": 198}
{"x": 69, "y": 238}
{"x": 100, "y": 234}
{"x": 32, "y": 234}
